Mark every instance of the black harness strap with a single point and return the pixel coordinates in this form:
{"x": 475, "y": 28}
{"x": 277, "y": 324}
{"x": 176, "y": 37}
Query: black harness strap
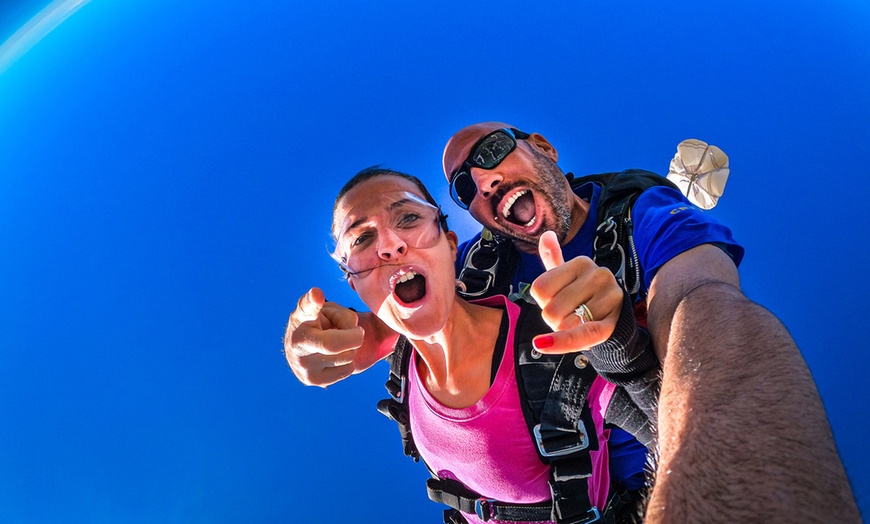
{"x": 614, "y": 247}
{"x": 395, "y": 407}
{"x": 487, "y": 267}
{"x": 565, "y": 436}
{"x": 454, "y": 494}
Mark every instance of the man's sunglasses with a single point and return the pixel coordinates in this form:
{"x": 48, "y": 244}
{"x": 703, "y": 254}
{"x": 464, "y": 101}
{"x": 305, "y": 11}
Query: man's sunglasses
{"x": 487, "y": 153}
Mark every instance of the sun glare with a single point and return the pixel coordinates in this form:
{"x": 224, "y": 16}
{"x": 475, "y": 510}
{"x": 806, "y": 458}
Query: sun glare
{"x": 35, "y": 29}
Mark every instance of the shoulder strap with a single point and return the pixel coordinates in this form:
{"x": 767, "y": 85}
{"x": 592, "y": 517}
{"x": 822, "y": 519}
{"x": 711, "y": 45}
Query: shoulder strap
{"x": 614, "y": 246}
{"x": 396, "y": 407}
{"x": 488, "y": 266}
{"x": 555, "y": 389}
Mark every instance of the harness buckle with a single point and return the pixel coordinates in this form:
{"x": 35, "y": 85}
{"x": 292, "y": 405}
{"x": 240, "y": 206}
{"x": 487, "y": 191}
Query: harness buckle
{"x": 480, "y": 279}
{"x": 581, "y": 443}
{"x": 606, "y": 227}
{"x": 397, "y": 392}
{"x": 483, "y": 508}
{"x": 592, "y": 515}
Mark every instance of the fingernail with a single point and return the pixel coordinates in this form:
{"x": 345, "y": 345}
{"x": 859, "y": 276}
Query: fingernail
{"x": 543, "y": 342}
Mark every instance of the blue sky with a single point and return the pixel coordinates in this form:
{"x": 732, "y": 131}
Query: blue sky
{"x": 167, "y": 171}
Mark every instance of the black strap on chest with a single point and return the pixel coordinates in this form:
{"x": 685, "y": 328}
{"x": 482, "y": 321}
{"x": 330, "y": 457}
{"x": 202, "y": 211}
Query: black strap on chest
{"x": 614, "y": 246}
{"x": 396, "y": 407}
{"x": 555, "y": 389}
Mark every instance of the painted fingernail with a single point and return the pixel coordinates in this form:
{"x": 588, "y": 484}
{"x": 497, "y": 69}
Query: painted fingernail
{"x": 543, "y": 342}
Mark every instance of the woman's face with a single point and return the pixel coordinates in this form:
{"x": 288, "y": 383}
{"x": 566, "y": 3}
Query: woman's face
{"x": 401, "y": 263}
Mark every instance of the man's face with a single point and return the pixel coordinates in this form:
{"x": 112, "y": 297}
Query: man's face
{"x": 521, "y": 197}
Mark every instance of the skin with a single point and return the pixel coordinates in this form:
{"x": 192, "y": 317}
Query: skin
{"x": 741, "y": 439}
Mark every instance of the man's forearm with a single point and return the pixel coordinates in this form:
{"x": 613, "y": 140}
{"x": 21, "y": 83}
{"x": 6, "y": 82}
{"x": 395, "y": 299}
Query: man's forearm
{"x": 743, "y": 433}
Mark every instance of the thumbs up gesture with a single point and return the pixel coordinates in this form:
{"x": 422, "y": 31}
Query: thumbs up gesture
{"x": 580, "y": 301}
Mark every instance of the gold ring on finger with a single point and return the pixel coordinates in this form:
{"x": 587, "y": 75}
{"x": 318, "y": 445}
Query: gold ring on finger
{"x": 583, "y": 312}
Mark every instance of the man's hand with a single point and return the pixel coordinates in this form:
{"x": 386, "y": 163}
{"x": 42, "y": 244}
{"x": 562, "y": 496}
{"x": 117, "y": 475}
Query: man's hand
{"x": 563, "y": 288}
{"x": 326, "y": 342}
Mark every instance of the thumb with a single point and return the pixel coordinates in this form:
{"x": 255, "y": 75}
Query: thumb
{"x": 309, "y": 306}
{"x": 550, "y": 251}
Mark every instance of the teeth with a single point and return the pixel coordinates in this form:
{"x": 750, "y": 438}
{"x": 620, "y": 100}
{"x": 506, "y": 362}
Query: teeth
{"x": 506, "y": 209}
{"x": 406, "y": 277}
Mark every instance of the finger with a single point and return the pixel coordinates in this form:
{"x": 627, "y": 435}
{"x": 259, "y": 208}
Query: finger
{"x": 580, "y": 338}
{"x": 321, "y": 373}
{"x": 325, "y": 341}
{"x": 598, "y": 291}
{"x": 550, "y": 251}
{"x": 548, "y": 284}
{"x": 336, "y": 374}
{"x": 309, "y": 306}
{"x": 339, "y": 316}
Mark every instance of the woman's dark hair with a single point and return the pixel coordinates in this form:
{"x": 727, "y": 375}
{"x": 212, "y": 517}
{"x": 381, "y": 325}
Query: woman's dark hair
{"x": 375, "y": 171}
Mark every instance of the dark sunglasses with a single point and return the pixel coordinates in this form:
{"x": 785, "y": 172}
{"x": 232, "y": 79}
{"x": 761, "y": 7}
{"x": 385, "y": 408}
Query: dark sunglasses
{"x": 487, "y": 153}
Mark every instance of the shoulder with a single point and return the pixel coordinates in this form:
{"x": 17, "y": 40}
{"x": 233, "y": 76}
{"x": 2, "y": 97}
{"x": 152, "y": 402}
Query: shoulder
{"x": 666, "y": 224}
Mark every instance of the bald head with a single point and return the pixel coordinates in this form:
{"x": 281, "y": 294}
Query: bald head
{"x": 459, "y": 146}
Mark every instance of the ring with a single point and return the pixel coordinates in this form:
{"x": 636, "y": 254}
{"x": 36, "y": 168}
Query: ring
{"x": 583, "y": 312}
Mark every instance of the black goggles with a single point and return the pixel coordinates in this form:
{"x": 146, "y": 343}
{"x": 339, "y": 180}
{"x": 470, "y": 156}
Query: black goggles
{"x": 487, "y": 153}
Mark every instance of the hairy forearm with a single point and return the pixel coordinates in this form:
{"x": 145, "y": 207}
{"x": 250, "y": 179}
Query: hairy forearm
{"x": 743, "y": 433}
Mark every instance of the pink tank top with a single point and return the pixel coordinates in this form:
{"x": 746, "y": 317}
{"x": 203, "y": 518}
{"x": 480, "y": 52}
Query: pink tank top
{"x": 487, "y": 446}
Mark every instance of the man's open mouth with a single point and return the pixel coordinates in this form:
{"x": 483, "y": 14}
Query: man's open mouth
{"x": 410, "y": 287}
{"x": 519, "y": 208}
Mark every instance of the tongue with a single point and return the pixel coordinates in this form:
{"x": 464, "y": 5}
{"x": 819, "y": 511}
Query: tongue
{"x": 412, "y": 290}
{"x": 523, "y": 209}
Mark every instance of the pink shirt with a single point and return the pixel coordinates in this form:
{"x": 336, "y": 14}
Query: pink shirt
{"x": 487, "y": 446}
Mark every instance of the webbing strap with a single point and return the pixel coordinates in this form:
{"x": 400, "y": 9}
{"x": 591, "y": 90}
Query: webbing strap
{"x": 454, "y": 494}
{"x": 396, "y": 407}
{"x": 564, "y": 437}
{"x": 614, "y": 245}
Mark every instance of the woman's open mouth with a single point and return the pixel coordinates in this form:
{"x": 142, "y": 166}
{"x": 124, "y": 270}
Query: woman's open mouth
{"x": 410, "y": 287}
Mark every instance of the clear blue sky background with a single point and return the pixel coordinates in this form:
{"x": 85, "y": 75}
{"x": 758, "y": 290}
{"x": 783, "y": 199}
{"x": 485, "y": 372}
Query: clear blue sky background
{"x": 167, "y": 171}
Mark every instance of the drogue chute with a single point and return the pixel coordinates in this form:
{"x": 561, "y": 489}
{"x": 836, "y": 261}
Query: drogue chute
{"x": 700, "y": 171}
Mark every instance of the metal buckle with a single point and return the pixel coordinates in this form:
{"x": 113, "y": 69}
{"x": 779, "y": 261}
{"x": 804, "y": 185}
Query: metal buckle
{"x": 400, "y": 394}
{"x": 490, "y": 271}
{"x": 583, "y": 442}
{"x": 594, "y": 516}
{"x": 483, "y": 508}
{"x": 608, "y": 226}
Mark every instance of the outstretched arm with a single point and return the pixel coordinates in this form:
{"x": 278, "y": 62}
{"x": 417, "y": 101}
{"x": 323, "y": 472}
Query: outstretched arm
{"x": 743, "y": 433}
{"x": 325, "y": 342}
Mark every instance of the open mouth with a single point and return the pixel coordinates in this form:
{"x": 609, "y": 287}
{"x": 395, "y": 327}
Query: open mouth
{"x": 410, "y": 287}
{"x": 519, "y": 208}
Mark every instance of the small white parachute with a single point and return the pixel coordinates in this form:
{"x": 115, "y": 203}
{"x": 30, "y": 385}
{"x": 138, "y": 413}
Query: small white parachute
{"x": 700, "y": 171}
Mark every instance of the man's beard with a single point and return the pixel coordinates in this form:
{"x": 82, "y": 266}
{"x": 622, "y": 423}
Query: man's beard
{"x": 549, "y": 183}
